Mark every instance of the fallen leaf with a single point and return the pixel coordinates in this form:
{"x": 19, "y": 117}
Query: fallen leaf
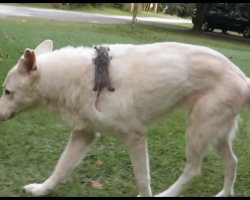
{"x": 6, "y": 37}
{"x": 1, "y": 57}
{"x": 16, "y": 195}
{"x": 95, "y": 184}
{"x": 99, "y": 163}
{"x": 157, "y": 37}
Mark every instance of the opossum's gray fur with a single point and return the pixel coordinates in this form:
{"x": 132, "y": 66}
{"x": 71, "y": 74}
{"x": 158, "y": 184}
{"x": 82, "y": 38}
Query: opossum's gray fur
{"x": 101, "y": 62}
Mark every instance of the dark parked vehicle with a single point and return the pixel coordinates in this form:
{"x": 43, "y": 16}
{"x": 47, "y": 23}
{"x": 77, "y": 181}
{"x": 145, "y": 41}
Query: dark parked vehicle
{"x": 221, "y": 17}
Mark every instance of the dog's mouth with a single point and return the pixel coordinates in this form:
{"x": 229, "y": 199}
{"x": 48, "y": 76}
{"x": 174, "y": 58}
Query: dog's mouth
{"x": 12, "y": 115}
{"x": 3, "y": 119}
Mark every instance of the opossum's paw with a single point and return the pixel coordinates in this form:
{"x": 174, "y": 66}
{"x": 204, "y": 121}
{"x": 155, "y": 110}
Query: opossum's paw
{"x": 112, "y": 89}
{"x": 37, "y": 189}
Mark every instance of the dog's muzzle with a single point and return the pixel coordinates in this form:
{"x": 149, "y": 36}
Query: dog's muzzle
{"x": 7, "y": 117}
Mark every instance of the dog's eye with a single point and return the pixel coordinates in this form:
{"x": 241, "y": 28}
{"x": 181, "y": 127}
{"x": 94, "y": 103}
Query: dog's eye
{"x": 7, "y": 92}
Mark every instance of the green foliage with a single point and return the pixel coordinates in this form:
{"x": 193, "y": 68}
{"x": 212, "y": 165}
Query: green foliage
{"x": 179, "y": 9}
{"x": 127, "y": 7}
{"x": 244, "y": 8}
{"x": 80, "y": 5}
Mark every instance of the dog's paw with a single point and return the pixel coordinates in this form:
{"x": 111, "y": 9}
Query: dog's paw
{"x": 223, "y": 194}
{"x": 36, "y": 189}
{"x": 148, "y": 195}
{"x": 164, "y": 194}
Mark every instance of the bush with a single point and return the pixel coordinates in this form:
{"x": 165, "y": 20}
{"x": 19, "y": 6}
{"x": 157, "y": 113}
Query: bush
{"x": 87, "y": 5}
{"x": 160, "y": 7}
{"x": 180, "y": 9}
{"x": 127, "y": 7}
{"x": 56, "y": 5}
{"x": 117, "y": 5}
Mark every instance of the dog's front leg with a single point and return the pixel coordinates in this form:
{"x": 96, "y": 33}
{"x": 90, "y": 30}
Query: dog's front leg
{"x": 74, "y": 152}
{"x": 138, "y": 152}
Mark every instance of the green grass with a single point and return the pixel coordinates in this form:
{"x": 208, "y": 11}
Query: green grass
{"x": 32, "y": 142}
{"x": 189, "y": 26}
{"x": 103, "y": 10}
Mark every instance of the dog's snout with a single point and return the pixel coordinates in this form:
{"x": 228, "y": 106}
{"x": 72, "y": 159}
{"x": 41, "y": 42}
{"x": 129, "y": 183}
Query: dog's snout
{"x": 5, "y": 117}
{"x": 2, "y": 117}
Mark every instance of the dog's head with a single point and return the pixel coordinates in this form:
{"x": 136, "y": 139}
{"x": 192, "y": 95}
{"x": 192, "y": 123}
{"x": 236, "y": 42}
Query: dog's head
{"x": 19, "y": 85}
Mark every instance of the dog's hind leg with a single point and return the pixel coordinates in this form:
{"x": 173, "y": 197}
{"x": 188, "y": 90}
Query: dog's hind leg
{"x": 138, "y": 152}
{"x": 209, "y": 117}
{"x": 224, "y": 149}
{"x": 74, "y": 152}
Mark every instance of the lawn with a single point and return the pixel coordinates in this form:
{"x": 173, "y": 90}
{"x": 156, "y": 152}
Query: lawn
{"x": 32, "y": 142}
{"x": 190, "y": 25}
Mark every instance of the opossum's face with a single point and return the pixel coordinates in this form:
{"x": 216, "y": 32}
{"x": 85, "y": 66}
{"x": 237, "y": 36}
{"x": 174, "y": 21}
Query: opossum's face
{"x": 103, "y": 51}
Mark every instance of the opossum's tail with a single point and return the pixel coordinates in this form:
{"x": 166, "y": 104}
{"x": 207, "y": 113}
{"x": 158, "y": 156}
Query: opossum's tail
{"x": 98, "y": 93}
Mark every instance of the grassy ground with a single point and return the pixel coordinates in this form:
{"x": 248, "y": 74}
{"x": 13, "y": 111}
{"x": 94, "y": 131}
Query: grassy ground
{"x": 189, "y": 26}
{"x": 32, "y": 142}
{"x": 104, "y": 10}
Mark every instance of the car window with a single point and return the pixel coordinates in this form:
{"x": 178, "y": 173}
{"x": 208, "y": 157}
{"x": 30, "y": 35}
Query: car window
{"x": 216, "y": 9}
{"x": 224, "y": 10}
{"x": 234, "y": 13}
{"x": 220, "y": 9}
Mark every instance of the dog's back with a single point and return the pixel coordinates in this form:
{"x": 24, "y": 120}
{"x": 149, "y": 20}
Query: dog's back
{"x": 149, "y": 78}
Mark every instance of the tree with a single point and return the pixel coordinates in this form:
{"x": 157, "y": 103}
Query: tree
{"x": 135, "y": 8}
{"x": 201, "y": 11}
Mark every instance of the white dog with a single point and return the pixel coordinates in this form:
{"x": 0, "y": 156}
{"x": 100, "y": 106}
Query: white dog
{"x": 150, "y": 80}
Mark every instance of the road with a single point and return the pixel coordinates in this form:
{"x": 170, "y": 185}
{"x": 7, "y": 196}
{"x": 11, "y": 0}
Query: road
{"x": 6, "y": 10}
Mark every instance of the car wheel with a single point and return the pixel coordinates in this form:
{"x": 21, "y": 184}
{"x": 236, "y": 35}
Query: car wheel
{"x": 205, "y": 27}
{"x": 246, "y": 32}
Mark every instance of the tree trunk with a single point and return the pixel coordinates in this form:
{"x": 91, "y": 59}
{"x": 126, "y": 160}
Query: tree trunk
{"x": 134, "y": 15}
{"x": 201, "y": 11}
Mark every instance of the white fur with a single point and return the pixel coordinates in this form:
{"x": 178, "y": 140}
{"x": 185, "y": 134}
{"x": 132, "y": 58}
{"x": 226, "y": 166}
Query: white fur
{"x": 150, "y": 80}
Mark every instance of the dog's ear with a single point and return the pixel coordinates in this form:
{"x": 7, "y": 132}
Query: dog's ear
{"x": 27, "y": 62}
{"x": 45, "y": 47}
